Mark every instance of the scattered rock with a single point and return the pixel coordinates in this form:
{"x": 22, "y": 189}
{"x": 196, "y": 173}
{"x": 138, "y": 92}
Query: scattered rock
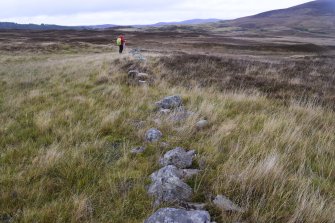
{"x": 224, "y": 203}
{"x": 142, "y": 76}
{"x": 173, "y": 215}
{"x": 170, "y": 102}
{"x": 165, "y": 111}
{"x": 202, "y": 124}
{"x": 167, "y": 186}
{"x": 142, "y": 82}
{"x": 137, "y": 150}
{"x": 153, "y": 135}
{"x": 178, "y": 157}
{"x": 195, "y": 206}
{"x": 189, "y": 173}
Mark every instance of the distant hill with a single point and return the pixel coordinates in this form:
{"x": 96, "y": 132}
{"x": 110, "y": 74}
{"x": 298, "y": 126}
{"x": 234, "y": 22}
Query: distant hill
{"x": 187, "y": 22}
{"x": 315, "y": 16}
{"x": 10, "y": 25}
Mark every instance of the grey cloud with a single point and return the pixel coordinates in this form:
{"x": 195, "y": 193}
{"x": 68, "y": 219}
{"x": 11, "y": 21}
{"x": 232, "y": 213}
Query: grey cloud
{"x": 22, "y": 8}
{"x": 123, "y": 12}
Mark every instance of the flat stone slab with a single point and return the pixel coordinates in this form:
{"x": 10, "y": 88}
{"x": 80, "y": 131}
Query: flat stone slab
{"x": 173, "y": 215}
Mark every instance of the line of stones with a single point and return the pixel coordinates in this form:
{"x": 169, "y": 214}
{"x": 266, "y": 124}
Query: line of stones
{"x": 168, "y": 183}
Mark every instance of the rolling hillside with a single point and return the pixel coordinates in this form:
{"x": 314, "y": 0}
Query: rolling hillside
{"x": 316, "y": 16}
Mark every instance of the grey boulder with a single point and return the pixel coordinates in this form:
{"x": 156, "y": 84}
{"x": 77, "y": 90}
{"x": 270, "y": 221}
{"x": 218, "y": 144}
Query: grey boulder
{"x": 166, "y": 172}
{"x": 167, "y": 186}
{"x": 153, "y": 135}
{"x": 178, "y": 157}
{"x": 170, "y": 102}
{"x": 173, "y": 215}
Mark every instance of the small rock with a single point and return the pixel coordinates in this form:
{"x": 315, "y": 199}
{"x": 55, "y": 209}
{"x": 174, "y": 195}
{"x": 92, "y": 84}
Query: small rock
{"x": 133, "y": 74}
{"x": 142, "y": 82}
{"x": 202, "y": 124}
{"x": 165, "y": 111}
{"x": 170, "y": 102}
{"x": 224, "y": 203}
{"x": 195, "y": 206}
{"x": 142, "y": 76}
{"x": 189, "y": 173}
{"x": 137, "y": 150}
{"x": 178, "y": 157}
{"x": 173, "y": 215}
{"x": 153, "y": 135}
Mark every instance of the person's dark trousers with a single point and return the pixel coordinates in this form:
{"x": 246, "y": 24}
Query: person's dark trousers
{"x": 121, "y": 49}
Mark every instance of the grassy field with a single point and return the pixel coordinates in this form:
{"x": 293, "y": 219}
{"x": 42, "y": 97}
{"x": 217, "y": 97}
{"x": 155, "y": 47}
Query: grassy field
{"x": 69, "y": 118}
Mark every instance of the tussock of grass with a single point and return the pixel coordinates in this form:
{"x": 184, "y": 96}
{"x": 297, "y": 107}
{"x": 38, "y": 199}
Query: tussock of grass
{"x": 69, "y": 122}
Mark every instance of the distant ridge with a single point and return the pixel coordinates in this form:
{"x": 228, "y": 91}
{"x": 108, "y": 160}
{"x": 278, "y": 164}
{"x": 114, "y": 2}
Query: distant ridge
{"x": 187, "y": 22}
{"x": 11, "y": 25}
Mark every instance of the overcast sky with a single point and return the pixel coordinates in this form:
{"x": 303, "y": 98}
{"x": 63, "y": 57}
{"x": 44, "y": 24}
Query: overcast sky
{"x": 126, "y": 12}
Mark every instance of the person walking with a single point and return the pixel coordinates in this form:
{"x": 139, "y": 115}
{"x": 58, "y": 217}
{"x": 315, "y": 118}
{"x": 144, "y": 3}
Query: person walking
{"x": 121, "y": 42}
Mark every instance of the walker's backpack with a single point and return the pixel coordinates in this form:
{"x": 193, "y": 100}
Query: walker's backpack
{"x": 119, "y": 41}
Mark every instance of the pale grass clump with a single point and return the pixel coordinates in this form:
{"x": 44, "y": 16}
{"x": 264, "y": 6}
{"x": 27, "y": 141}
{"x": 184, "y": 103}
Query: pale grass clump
{"x": 110, "y": 119}
{"x": 43, "y": 121}
{"x": 224, "y": 130}
{"x": 48, "y": 158}
{"x": 312, "y": 206}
